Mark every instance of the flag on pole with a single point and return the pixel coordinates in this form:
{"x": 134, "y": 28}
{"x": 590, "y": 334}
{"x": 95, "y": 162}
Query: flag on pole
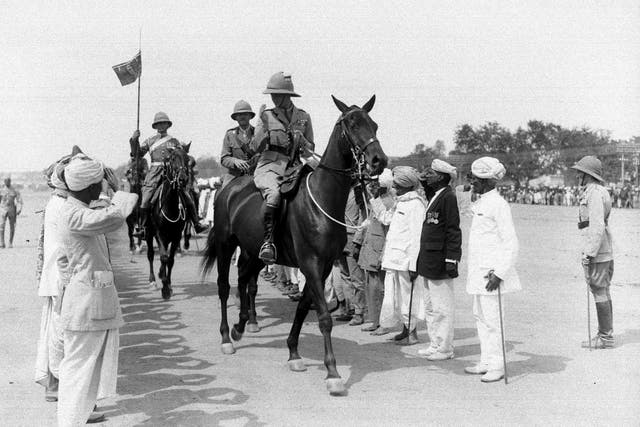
{"x": 128, "y": 72}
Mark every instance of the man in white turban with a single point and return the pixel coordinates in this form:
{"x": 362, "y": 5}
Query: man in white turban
{"x": 90, "y": 311}
{"x": 493, "y": 249}
{"x": 400, "y": 255}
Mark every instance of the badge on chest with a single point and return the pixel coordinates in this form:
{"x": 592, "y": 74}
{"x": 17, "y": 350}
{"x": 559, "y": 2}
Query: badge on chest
{"x": 432, "y": 217}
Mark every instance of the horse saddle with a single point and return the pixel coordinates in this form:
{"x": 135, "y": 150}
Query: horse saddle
{"x": 291, "y": 179}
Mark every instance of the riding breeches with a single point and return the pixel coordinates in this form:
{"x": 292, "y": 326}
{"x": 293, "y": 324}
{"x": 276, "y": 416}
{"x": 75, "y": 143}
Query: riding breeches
{"x": 151, "y": 182}
{"x": 268, "y": 176}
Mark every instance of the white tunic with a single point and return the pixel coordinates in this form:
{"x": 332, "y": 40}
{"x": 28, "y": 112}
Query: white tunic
{"x": 493, "y": 245}
{"x": 48, "y": 285}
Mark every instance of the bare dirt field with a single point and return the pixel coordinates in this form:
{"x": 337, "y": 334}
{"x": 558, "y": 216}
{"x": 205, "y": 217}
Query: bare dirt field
{"x": 172, "y": 372}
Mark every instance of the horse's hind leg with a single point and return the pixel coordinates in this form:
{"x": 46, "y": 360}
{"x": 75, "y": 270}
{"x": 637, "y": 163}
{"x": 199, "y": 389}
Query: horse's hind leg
{"x": 252, "y": 291}
{"x": 152, "y": 275}
{"x": 248, "y": 270}
{"x": 224, "y": 253}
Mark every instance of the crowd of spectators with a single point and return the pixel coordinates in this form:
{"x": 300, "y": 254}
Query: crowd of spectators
{"x": 622, "y": 197}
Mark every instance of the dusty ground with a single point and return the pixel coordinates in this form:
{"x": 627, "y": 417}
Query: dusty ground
{"x": 173, "y": 373}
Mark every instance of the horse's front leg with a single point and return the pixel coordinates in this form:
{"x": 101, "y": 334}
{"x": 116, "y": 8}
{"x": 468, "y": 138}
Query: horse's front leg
{"x": 162, "y": 274}
{"x": 224, "y": 260}
{"x": 247, "y": 272}
{"x": 170, "y": 261}
{"x": 150, "y": 253}
{"x": 252, "y": 291}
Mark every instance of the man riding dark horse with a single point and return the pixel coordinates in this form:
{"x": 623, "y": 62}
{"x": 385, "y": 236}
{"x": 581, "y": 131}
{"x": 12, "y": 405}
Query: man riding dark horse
{"x": 283, "y": 133}
{"x": 158, "y": 146}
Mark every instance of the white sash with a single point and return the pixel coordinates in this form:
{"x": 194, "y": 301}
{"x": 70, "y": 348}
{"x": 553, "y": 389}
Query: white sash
{"x": 159, "y": 142}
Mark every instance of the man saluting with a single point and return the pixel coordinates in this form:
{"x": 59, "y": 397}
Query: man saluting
{"x": 158, "y": 147}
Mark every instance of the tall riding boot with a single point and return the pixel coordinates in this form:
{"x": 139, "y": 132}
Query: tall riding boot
{"x": 193, "y": 213}
{"x": 605, "y": 319}
{"x": 268, "y": 249}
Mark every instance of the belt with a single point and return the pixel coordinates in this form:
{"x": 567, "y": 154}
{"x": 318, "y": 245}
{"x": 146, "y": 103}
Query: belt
{"x": 156, "y": 163}
{"x": 278, "y": 149}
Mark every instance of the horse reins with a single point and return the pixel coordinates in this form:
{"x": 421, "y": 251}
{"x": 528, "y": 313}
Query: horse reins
{"x": 174, "y": 181}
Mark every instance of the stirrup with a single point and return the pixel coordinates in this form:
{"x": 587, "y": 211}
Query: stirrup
{"x": 268, "y": 253}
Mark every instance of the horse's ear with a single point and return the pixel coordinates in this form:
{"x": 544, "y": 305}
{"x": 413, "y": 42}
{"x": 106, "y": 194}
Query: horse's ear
{"x": 187, "y": 147}
{"x": 76, "y": 150}
{"x": 341, "y": 105}
{"x": 369, "y": 105}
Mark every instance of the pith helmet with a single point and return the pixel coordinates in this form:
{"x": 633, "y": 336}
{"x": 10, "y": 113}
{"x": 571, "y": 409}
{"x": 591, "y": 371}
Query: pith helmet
{"x": 590, "y": 165}
{"x": 242, "y": 106}
{"x": 280, "y": 83}
{"x": 161, "y": 117}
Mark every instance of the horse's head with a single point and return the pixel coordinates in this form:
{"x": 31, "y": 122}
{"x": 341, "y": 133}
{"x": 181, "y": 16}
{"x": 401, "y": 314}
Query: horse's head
{"x": 360, "y": 130}
{"x": 176, "y": 167}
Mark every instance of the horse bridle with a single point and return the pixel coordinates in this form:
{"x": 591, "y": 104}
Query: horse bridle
{"x": 356, "y": 151}
{"x": 171, "y": 174}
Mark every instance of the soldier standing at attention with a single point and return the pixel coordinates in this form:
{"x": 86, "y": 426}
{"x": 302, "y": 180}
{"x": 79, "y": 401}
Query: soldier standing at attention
{"x": 236, "y": 152}
{"x": 597, "y": 248}
{"x": 158, "y": 146}
{"x": 10, "y": 208}
{"x": 282, "y": 133}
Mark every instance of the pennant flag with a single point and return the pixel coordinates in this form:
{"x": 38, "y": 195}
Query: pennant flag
{"x": 128, "y": 72}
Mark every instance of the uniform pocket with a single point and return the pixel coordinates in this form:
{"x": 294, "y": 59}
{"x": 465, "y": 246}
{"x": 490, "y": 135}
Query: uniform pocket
{"x": 104, "y": 298}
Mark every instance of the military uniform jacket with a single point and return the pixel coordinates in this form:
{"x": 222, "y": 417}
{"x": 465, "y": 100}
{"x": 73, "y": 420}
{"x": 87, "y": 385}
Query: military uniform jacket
{"x": 89, "y": 296}
{"x": 441, "y": 238}
{"x": 157, "y": 146}
{"x": 236, "y": 146}
{"x": 594, "y": 210}
{"x": 281, "y": 129}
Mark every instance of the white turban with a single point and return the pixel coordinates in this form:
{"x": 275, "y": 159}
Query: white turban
{"x": 81, "y": 172}
{"x": 385, "y": 179}
{"x": 406, "y": 177}
{"x": 488, "y": 168}
{"x": 444, "y": 167}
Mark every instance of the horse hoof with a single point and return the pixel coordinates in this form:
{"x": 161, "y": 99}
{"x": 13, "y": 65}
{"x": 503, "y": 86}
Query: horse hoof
{"x": 252, "y": 327}
{"x": 153, "y": 285}
{"x": 235, "y": 335}
{"x": 336, "y": 386}
{"x": 166, "y": 294}
{"x": 139, "y": 250}
{"x": 227, "y": 348}
{"x": 297, "y": 365}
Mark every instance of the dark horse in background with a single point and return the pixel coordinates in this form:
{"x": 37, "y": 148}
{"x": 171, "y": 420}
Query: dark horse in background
{"x": 167, "y": 217}
{"x": 306, "y": 237}
{"x": 135, "y": 174}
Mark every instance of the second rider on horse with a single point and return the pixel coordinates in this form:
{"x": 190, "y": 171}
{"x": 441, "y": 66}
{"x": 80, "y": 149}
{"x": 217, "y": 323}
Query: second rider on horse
{"x": 158, "y": 146}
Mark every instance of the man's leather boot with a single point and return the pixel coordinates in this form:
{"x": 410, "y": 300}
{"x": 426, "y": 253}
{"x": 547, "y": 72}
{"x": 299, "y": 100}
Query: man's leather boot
{"x": 268, "y": 249}
{"x": 193, "y": 214}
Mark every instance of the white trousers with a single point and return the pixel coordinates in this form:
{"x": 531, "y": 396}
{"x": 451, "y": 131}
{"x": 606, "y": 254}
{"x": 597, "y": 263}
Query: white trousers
{"x": 50, "y": 346}
{"x": 487, "y": 314}
{"x": 440, "y": 313}
{"x": 88, "y": 372}
{"x": 397, "y": 295}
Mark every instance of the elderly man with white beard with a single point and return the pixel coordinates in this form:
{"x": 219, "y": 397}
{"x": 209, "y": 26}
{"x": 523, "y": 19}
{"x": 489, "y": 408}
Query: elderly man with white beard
{"x": 90, "y": 312}
{"x": 493, "y": 249}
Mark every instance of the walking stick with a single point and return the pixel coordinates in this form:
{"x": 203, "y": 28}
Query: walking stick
{"x": 410, "y": 304}
{"x": 504, "y": 353}
{"x": 586, "y": 277}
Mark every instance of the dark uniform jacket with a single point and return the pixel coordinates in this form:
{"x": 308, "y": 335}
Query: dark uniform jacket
{"x": 441, "y": 238}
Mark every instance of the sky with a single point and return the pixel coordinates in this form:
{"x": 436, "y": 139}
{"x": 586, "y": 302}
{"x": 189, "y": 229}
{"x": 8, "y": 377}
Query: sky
{"x": 432, "y": 65}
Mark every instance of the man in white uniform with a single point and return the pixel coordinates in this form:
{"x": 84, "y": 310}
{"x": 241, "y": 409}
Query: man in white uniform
{"x": 90, "y": 312}
{"x": 493, "y": 249}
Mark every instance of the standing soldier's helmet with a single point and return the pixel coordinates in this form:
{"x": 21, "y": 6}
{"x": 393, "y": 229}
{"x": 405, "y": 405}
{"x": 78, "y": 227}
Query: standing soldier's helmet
{"x": 591, "y": 166}
{"x": 280, "y": 83}
{"x": 161, "y": 117}
{"x": 242, "y": 106}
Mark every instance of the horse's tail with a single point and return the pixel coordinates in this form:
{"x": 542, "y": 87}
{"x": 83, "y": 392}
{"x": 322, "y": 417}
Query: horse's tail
{"x": 209, "y": 254}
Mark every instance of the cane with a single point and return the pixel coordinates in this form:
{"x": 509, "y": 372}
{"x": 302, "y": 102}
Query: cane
{"x": 586, "y": 277}
{"x": 504, "y": 353}
{"x": 410, "y": 304}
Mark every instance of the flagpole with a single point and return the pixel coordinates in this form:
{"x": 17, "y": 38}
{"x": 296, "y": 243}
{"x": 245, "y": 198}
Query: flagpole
{"x": 139, "y": 78}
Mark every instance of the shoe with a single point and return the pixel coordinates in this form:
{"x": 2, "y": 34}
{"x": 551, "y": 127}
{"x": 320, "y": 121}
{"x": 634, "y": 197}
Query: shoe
{"x": 476, "y": 369}
{"x": 411, "y": 339}
{"x": 95, "y": 416}
{"x": 356, "y": 320}
{"x": 370, "y": 328}
{"x": 380, "y": 331}
{"x": 492, "y": 376}
{"x": 199, "y": 228}
{"x": 343, "y": 317}
{"x": 599, "y": 343}
{"x": 438, "y": 356}
{"x": 402, "y": 335}
{"x": 424, "y": 352}
{"x": 295, "y": 297}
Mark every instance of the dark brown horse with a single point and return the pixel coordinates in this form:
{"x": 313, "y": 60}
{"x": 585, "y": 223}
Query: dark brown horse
{"x": 306, "y": 237}
{"x": 168, "y": 217}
